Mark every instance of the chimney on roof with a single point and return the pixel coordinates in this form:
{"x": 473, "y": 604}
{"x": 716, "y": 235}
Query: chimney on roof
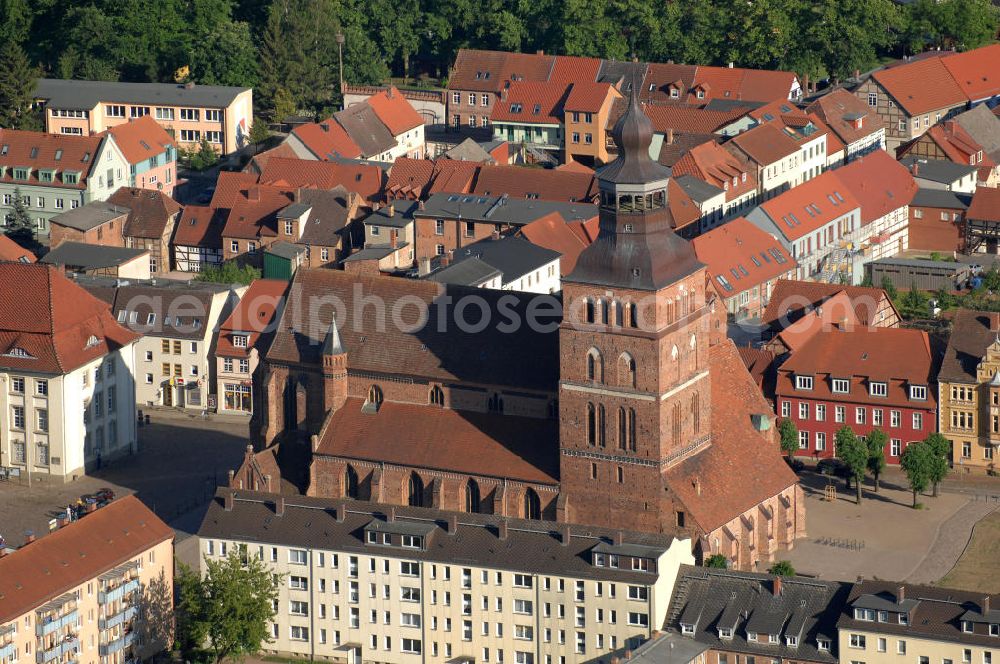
{"x": 314, "y": 442}
{"x": 857, "y": 73}
{"x": 189, "y": 85}
{"x": 986, "y": 604}
{"x": 452, "y": 524}
{"x": 915, "y": 169}
{"x": 390, "y": 515}
{"x": 324, "y": 126}
{"x": 539, "y": 52}
{"x": 424, "y": 266}
{"x": 420, "y": 205}
{"x": 502, "y": 529}
{"x": 29, "y": 536}
{"x": 619, "y": 537}
{"x": 900, "y": 594}
{"x": 279, "y": 506}
{"x": 732, "y": 64}
{"x": 564, "y": 534}
{"x": 340, "y": 512}
{"x": 253, "y": 193}
{"x": 503, "y": 95}
{"x": 227, "y": 501}
{"x": 696, "y": 482}
{"x": 776, "y": 586}
{"x": 392, "y": 210}
{"x": 393, "y": 239}
{"x": 670, "y": 136}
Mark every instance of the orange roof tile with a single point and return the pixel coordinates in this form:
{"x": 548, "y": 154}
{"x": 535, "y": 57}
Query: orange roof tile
{"x": 199, "y": 226}
{"x": 327, "y": 138}
{"x": 253, "y": 315}
{"x": 827, "y": 197}
{"x": 80, "y": 551}
{"x": 454, "y": 177}
{"x": 531, "y": 102}
{"x": 568, "y": 238}
{"x": 766, "y": 143}
{"x": 38, "y": 150}
{"x": 837, "y": 310}
{"x": 228, "y": 186}
{"x": 588, "y": 97}
{"x": 362, "y": 179}
{"x": 409, "y": 178}
{"x": 569, "y": 69}
{"x": 684, "y": 118}
{"x": 683, "y": 210}
{"x": 549, "y": 185}
{"x": 64, "y": 327}
{"x": 879, "y": 183}
{"x": 840, "y": 111}
{"x": 253, "y": 211}
{"x": 922, "y": 86}
{"x": 976, "y": 72}
{"x": 395, "y": 111}
{"x": 141, "y": 139}
{"x": 661, "y": 77}
{"x": 743, "y": 255}
{"x": 985, "y": 205}
{"x": 790, "y": 298}
{"x": 712, "y": 163}
{"x": 481, "y": 71}
{"x": 12, "y": 251}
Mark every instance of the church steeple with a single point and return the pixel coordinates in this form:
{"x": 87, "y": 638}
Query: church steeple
{"x": 636, "y": 246}
{"x": 334, "y": 369}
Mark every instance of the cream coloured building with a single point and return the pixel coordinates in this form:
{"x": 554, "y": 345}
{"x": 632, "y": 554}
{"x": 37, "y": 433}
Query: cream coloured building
{"x": 110, "y": 601}
{"x": 377, "y": 583}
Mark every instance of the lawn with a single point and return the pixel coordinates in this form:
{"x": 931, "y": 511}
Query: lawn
{"x": 979, "y": 567}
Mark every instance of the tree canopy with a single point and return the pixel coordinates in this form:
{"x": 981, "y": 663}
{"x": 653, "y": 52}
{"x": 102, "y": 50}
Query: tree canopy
{"x": 291, "y": 45}
{"x": 854, "y": 453}
{"x": 875, "y": 442}
{"x": 917, "y": 462}
{"x": 789, "y": 435}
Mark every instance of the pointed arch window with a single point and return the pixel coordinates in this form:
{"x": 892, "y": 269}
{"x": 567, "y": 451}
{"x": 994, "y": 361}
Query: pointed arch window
{"x": 605, "y": 311}
{"x": 589, "y": 313}
{"x": 351, "y": 483}
{"x": 633, "y": 316}
{"x": 415, "y": 491}
{"x": 677, "y": 422}
{"x": 620, "y": 313}
{"x": 622, "y": 428}
{"x": 471, "y": 496}
{"x": 375, "y": 396}
{"x": 532, "y": 505}
{"x": 626, "y": 370}
{"x": 631, "y": 430}
{"x": 437, "y": 396}
{"x": 595, "y": 366}
{"x": 696, "y": 412}
{"x": 495, "y": 403}
{"x": 591, "y": 424}
{"x": 600, "y": 425}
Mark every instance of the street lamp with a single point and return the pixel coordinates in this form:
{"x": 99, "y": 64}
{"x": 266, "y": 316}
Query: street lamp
{"x": 340, "y": 58}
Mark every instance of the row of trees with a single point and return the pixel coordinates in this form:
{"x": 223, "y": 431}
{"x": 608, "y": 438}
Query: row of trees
{"x": 925, "y": 463}
{"x": 288, "y": 49}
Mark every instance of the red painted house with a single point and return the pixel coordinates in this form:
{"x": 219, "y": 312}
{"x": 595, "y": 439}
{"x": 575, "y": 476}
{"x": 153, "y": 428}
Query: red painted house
{"x": 863, "y": 378}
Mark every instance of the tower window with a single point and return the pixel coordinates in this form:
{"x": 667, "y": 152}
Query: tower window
{"x": 591, "y": 424}
{"x": 628, "y": 228}
{"x": 595, "y": 366}
{"x": 627, "y": 370}
{"x": 593, "y": 471}
{"x": 437, "y": 396}
{"x": 590, "y": 315}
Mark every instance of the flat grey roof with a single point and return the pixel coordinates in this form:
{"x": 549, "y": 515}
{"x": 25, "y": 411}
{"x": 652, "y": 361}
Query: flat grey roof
{"x": 90, "y": 256}
{"x": 938, "y": 170}
{"x": 85, "y": 95}
{"x": 699, "y": 190}
{"x": 939, "y": 198}
{"x": 502, "y": 210}
{"x": 402, "y": 214}
{"x": 90, "y": 216}
{"x": 285, "y": 249}
{"x": 374, "y": 253}
{"x": 470, "y": 272}
{"x": 921, "y": 262}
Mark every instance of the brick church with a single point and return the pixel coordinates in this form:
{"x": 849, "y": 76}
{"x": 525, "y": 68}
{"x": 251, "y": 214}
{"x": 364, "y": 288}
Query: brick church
{"x": 629, "y": 408}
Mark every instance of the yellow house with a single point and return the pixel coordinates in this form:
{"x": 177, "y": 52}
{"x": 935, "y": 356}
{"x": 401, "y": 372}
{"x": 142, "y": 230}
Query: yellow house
{"x": 969, "y": 390}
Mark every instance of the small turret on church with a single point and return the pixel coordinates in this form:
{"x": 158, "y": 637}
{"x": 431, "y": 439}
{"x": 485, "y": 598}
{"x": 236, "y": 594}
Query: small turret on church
{"x": 334, "y": 370}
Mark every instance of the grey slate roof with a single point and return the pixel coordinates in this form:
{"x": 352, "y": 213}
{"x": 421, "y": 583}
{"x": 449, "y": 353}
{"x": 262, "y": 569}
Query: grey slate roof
{"x": 984, "y": 127}
{"x": 284, "y": 249}
{"x": 746, "y": 602}
{"x": 83, "y": 256}
{"x": 954, "y": 266}
{"x": 365, "y": 129}
{"x": 402, "y": 214}
{"x": 293, "y": 211}
{"x": 90, "y": 216}
{"x": 501, "y": 209}
{"x": 668, "y": 649}
{"x": 938, "y": 170}
{"x": 512, "y": 256}
{"x": 971, "y": 334}
{"x": 470, "y": 272}
{"x": 939, "y": 198}
{"x": 699, "y": 190}
{"x": 374, "y": 253}
{"x": 85, "y": 95}
{"x": 530, "y": 546}
{"x": 468, "y": 150}
{"x": 327, "y": 216}
{"x": 630, "y": 73}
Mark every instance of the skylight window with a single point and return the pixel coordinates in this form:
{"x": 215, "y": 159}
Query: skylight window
{"x": 538, "y": 109}
{"x": 34, "y": 153}
{"x": 59, "y": 154}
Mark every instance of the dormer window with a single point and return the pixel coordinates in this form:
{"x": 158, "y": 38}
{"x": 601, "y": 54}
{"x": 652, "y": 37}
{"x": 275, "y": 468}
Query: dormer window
{"x": 725, "y": 633}
{"x": 904, "y": 619}
{"x": 515, "y": 108}
{"x": 700, "y": 94}
{"x": 868, "y": 615}
{"x": 841, "y": 385}
{"x": 640, "y": 564}
{"x": 792, "y": 641}
{"x": 599, "y": 560}
{"x": 411, "y": 541}
{"x": 877, "y": 389}
{"x": 372, "y": 537}
{"x": 751, "y": 636}
{"x": 687, "y": 628}
{"x": 772, "y": 638}
{"x": 823, "y": 645}
{"x": 803, "y": 382}
{"x": 918, "y": 392}
{"x": 240, "y": 340}
{"x": 994, "y": 629}
{"x": 883, "y": 616}
{"x": 674, "y": 93}
{"x": 967, "y": 626}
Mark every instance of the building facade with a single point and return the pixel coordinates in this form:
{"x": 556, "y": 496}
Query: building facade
{"x": 110, "y": 604}
{"x": 415, "y": 585}
{"x": 190, "y": 113}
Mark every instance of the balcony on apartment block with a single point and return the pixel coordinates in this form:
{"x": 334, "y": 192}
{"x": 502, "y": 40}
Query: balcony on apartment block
{"x": 119, "y": 618}
{"x": 67, "y": 645}
{"x": 118, "y": 583}
{"x": 117, "y": 645}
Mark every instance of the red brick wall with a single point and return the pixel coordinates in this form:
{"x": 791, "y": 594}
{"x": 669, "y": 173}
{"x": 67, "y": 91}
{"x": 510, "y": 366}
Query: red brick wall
{"x": 108, "y": 234}
{"x": 930, "y": 233}
{"x": 453, "y": 238}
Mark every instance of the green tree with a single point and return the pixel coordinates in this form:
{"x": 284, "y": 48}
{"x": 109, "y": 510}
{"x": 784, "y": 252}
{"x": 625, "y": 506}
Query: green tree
{"x": 259, "y": 133}
{"x": 939, "y": 465}
{"x": 789, "y": 435}
{"x": 782, "y": 568}
{"x": 916, "y": 462}
{"x": 19, "y": 226}
{"x": 875, "y": 441}
{"x": 17, "y": 88}
{"x": 717, "y": 561}
{"x": 229, "y": 610}
{"x": 854, "y": 454}
{"x": 229, "y": 272}
{"x": 889, "y": 288}
{"x": 226, "y": 55}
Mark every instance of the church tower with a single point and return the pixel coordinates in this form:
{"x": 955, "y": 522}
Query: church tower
{"x": 634, "y": 395}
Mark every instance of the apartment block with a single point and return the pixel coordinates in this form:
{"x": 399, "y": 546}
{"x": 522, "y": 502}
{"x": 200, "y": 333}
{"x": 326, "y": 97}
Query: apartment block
{"x": 368, "y": 582}
{"x": 190, "y": 113}
{"x": 95, "y": 591}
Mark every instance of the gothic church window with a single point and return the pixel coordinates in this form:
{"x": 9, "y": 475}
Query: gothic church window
{"x": 532, "y": 505}
{"x": 415, "y": 491}
{"x": 437, "y": 395}
{"x": 595, "y": 366}
{"x": 471, "y": 496}
{"x": 626, "y": 368}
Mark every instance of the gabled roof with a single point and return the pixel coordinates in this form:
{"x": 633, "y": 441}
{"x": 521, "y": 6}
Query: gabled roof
{"x": 513, "y": 257}
{"x": 329, "y": 214}
{"x": 82, "y": 550}
{"x": 840, "y": 111}
{"x": 959, "y": 146}
{"x": 972, "y": 332}
{"x": 791, "y": 299}
{"x": 394, "y": 111}
{"x": 64, "y": 328}
{"x": 922, "y": 86}
{"x": 588, "y": 97}
{"x": 253, "y": 315}
{"x": 85, "y": 95}
{"x": 716, "y": 166}
{"x": 766, "y": 143}
{"x": 520, "y": 182}
{"x": 362, "y": 179}
{"x": 253, "y": 210}
{"x": 531, "y": 102}
{"x": 409, "y": 178}
{"x": 12, "y": 251}
{"x": 478, "y": 70}
{"x": 569, "y": 238}
{"x": 976, "y": 71}
{"x": 937, "y": 170}
{"x": 879, "y": 183}
{"x": 57, "y": 152}
{"x": 468, "y": 150}
{"x": 741, "y": 256}
{"x": 574, "y": 69}
{"x": 140, "y": 139}
{"x": 985, "y": 205}
{"x": 366, "y": 130}
{"x": 683, "y": 211}
{"x": 90, "y": 216}
{"x": 149, "y": 211}
{"x": 326, "y": 139}
{"x": 744, "y": 84}
{"x": 453, "y": 176}
{"x": 984, "y": 127}
{"x": 199, "y": 226}
{"x": 809, "y": 206}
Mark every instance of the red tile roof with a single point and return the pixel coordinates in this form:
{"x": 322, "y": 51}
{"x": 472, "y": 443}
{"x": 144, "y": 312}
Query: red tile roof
{"x": 150, "y": 212}
{"x": 228, "y": 187}
{"x": 549, "y": 185}
{"x": 454, "y": 177}
{"x": 794, "y": 220}
{"x": 838, "y": 110}
{"x": 976, "y": 72}
{"x": 199, "y": 226}
{"x": 569, "y": 69}
{"x": 766, "y": 143}
{"x": 758, "y": 362}
{"x": 922, "y": 86}
{"x": 409, "y": 178}
{"x": 531, "y": 102}
{"x": 711, "y": 163}
{"x": 12, "y": 251}
{"x": 660, "y": 76}
{"x": 253, "y": 315}
{"x": 141, "y": 139}
{"x": 742, "y": 254}
{"x": 362, "y": 179}
{"x": 83, "y": 550}
{"x": 259, "y": 161}
{"x": 327, "y": 138}
{"x": 422, "y": 436}
{"x": 688, "y": 118}
{"x": 588, "y": 97}
{"x": 837, "y": 310}
{"x": 75, "y": 153}
{"x": 899, "y": 356}
{"x": 568, "y": 238}
{"x": 481, "y": 71}
{"x": 985, "y": 205}
{"x": 395, "y": 111}
{"x": 253, "y": 211}
{"x": 790, "y": 298}
{"x": 959, "y": 146}
{"x": 879, "y": 183}
{"x": 64, "y": 328}
{"x": 704, "y": 482}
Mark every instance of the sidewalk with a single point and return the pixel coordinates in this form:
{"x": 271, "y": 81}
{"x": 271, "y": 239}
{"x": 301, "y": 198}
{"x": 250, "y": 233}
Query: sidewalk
{"x": 952, "y": 537}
